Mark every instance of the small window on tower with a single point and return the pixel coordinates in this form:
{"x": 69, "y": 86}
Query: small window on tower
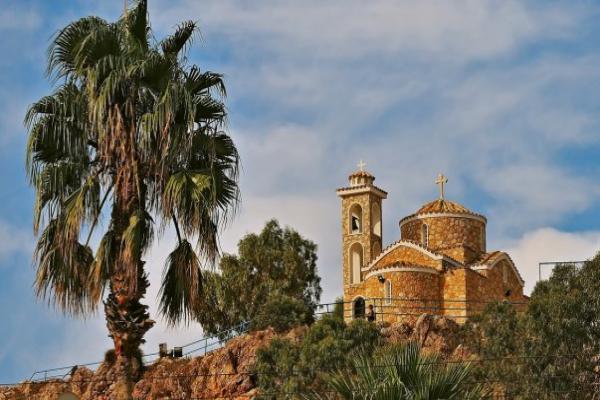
{"x": 425, "y": 235}
{"x": 355, "y": 219}
{"x": 388, "y": 292}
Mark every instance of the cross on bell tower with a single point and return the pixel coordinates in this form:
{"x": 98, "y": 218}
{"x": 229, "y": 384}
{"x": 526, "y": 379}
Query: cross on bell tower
{"x": 441, "y": 181}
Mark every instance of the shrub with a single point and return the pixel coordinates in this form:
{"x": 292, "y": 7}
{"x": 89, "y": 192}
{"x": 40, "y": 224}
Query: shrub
{"x": 282, "y": 313}
{"x": 296, "y": 368}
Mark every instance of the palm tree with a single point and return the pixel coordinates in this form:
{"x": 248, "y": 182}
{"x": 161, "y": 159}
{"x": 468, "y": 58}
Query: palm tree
{"x": 132, "y": 140}
{"x": 402, "y": 373}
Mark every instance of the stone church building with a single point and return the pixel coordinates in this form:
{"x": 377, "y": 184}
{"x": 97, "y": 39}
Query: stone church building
{"x": 439, "y": 265}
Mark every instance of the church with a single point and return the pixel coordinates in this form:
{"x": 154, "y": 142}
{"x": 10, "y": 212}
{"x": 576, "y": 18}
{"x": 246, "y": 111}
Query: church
{"x": 440, "y": 264}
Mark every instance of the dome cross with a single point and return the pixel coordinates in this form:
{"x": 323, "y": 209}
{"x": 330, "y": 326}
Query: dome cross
{"x": 362, "y": 165}
{"x": 441, "y": 181}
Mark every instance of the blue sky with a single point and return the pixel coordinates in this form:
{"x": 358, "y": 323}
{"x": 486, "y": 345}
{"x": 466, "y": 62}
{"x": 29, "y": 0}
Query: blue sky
{"x": 502, "y": 96}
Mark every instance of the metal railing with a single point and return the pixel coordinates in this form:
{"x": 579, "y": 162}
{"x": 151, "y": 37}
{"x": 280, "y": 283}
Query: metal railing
{"x": 198, "y": 347}
{"x": 459, "y": 309}
{"x": 383, "y": 307}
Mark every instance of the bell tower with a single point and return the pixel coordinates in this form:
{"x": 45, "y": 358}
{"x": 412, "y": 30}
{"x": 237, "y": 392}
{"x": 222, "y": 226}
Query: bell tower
{"x": 361, "y": 224}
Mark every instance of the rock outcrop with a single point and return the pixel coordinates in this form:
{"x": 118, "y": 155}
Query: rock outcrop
{"x": 435, "y": 334}
{"x": 221, "y": 373}
{"x": 224, "y": 373}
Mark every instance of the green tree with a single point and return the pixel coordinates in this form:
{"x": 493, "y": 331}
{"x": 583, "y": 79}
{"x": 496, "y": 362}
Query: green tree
{"x": 563, "y": 335}
{"x": 497, "y": 335}
{"x": 288, "y": 369}
{"x": 551, "y": 349}
{"x": 275, "y": 272}
{"x": 131, "y": 137}
{"x": 401, "y": 372}
{"x": 282, "y": 313}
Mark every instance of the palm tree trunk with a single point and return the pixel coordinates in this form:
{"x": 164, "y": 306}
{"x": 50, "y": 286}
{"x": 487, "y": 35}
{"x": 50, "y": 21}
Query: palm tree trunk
{"x": 127, "y": 319}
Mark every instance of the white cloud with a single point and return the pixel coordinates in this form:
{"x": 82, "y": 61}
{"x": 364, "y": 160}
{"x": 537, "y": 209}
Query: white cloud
{"x": 14, "y": 240}
{"x": 549, "y": 245}
{"x": 458, "y": 30}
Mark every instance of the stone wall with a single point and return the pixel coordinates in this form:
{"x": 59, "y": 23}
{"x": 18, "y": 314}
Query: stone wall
{"x": 493, "y": 285}
{"x": 419, "y": 291}
{"x": 448, "y": 234}
{"x": 454, "y": 289}
{"x": 456, "y": 293}
{"x": 365, "y": 238}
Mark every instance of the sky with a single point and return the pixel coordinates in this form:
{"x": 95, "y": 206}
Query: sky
{"x": 503, "y": 97}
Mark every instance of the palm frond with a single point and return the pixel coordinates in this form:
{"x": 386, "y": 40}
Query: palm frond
{"x": 81, "y": 206}
{"x": 137, "y": 24}
{"x": 103, "y": 265}
{"x": 182, "y": 37}
{"x": 62, "y": 273}
{"x": 103, "y": 41}
{"x": 199, "y": 83}
{"x": 66, "y": 45}
{"x": 402, "y": 372}
{"x": 137, "y": 237}
{"x": 181, "y": 286}
{"x": 58, "y": 130}
{"x": 54, "y": 184}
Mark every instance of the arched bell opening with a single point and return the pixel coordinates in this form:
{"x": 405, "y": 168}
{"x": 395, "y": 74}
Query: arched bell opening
{"x": 356, "y": 219}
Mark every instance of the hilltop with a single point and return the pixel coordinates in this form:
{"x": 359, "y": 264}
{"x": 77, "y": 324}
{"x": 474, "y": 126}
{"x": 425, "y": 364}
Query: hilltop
{"x": 226, "y": 372}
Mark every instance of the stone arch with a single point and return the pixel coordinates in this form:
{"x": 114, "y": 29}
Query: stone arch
{"x": 376, "y": 219}
{"x": 355, "y": 218}
{"x": 358, "y": 307}
{"x": 356, "y": 262}
{"x": 425, "y": 235}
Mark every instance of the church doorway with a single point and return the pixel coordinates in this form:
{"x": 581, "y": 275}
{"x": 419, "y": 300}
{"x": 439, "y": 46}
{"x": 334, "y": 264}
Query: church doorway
{"x": 358, "y": 308}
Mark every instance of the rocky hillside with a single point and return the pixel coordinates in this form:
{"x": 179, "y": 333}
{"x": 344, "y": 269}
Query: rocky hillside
{"x": 223, "y": 373}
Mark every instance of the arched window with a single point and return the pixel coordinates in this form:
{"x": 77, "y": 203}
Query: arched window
{"x": 387, "y": 292}
{"x": 356, "y": 262}
{"x": 376, "y": 219}
{"x": 358, "y": 308}
{"x": 425, "y": 235}
{"x": 355, "y": 221}
{"x": 504, "y": 274}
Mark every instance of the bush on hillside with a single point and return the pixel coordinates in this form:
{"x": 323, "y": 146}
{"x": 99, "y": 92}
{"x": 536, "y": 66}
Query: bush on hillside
{"x": 295, "y": 368}
{"x": 282, "y": 313}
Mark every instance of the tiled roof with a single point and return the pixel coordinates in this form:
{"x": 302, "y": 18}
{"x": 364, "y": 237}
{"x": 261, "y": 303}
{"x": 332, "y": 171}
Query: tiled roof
{"x": 489, "y": 259}
{"x": 362, "y": 173}
{"x": 442, "y": 206}
{"x": 391, "y": 246}
{"x": 396, "y": 263}
{"x": 342, "y": 189}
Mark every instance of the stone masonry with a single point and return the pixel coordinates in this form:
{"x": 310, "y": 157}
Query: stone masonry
{"x": 439, "y": 266}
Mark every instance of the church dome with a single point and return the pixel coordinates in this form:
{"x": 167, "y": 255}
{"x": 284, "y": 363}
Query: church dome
{"x": 448, "y": 228}
{"x": 443, "y": 206}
